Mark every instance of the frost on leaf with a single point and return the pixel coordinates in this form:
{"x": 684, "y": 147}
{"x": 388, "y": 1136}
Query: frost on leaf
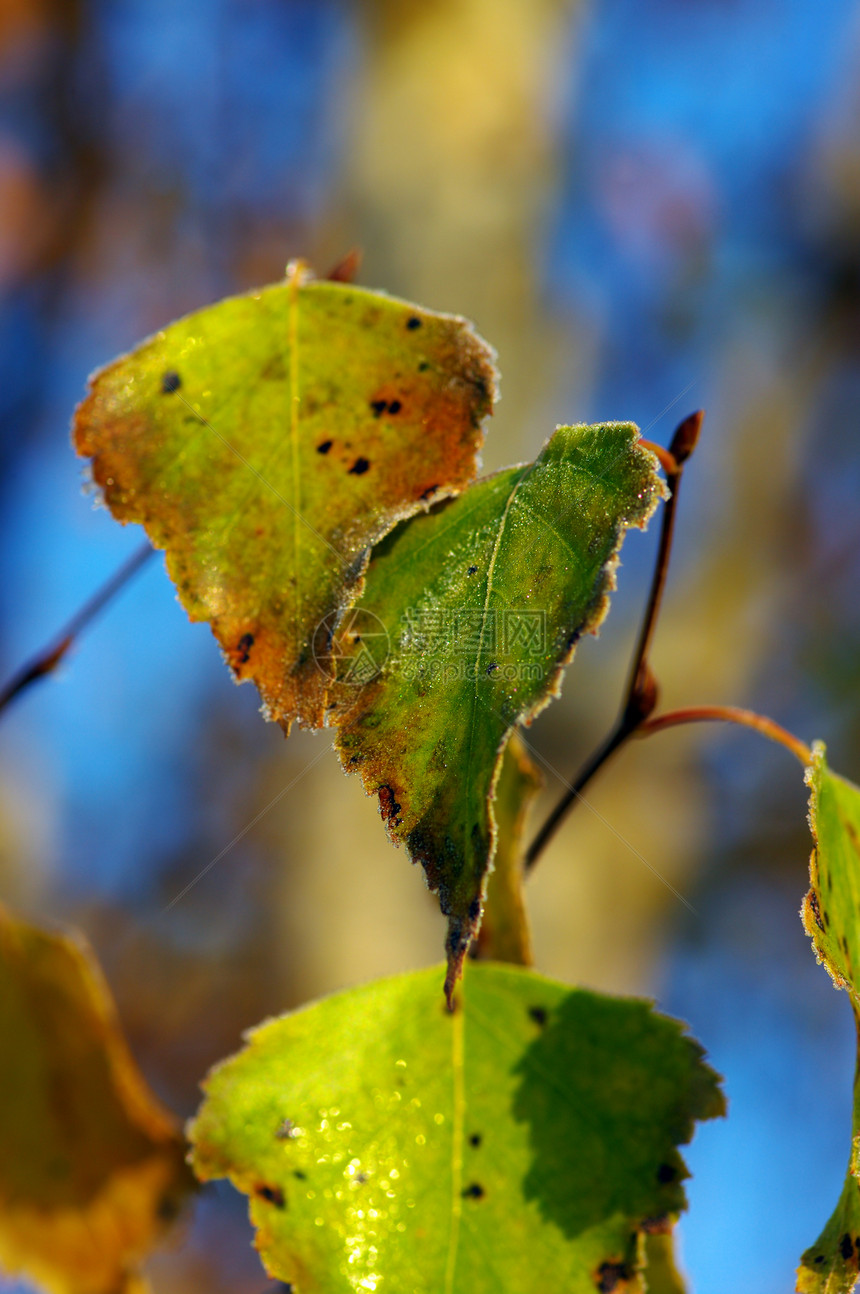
{"x": 483, "y": 600}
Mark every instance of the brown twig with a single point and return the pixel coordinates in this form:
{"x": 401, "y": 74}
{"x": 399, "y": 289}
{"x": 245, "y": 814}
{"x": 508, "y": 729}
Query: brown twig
{"x": 347, "y": 267}
{"x": 729, "y": 714}
{"x": 641, "y": 693}
{"x": 47, "y": 660}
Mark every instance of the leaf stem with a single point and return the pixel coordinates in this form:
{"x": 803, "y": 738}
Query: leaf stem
{"x": 47, "y": 660}
{"x": 729, "y": 714}
{"x": 641, "y": 693}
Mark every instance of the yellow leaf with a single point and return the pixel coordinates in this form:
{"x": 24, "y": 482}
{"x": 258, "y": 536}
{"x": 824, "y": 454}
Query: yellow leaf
{"x": 91, "y": 1166}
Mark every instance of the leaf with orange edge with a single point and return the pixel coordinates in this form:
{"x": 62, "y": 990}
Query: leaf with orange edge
{"x": 91, "y": 1166}
{"x": 268, "y": 441}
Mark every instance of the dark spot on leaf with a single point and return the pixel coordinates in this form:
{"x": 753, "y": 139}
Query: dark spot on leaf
{"x": 297, "y": 1173}
{"x": 413, "y": 322}
{"x": 474, "y": 1192}
{"x": 538, "y": 1014}
{"x": 378, "y": 407}
{"x": 388, "y": 806}
{"x": 286, "y": 1130}
{"x": 819, "y": 1258}
{"x": 471, "y": 570}
{"x": 666, "y": 1173}
{"x": 475, "y": 1139}
{"x": 394, "y": 406}
{"x": 846, "y": 1247}
{"x": 170, "y": 382}
{"x": 243, "y": 648}
{"x": 423, "y": 366}
{"x": 492, "y": 667}
{"x": 816, "y": 910}
{"x": 474, "y": 909}
{"x": 360, "y": 1177}
{"x": 274, "y": 369}
{"x": 324, "y": 446}
{"x": 359, "y": 467}
{"x": 273, "y": 1194}
{"x": 610, "y": 1275}
{"x": 429, "y": 492}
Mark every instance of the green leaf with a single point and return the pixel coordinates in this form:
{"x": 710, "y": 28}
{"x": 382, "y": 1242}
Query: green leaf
{"x": 483, "y": 601}
{"x": 830, "y": 916}
{"x": 267, "y": 441}
{"x": 91, "y": 1167}
{"x": 524, "y": 1142}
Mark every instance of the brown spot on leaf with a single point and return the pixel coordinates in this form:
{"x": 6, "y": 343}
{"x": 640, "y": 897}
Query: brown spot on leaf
{"x": 273, "y": 1194}
{"x": 388, "y": 806}
{"x": 413, "y": 322}
{"x": 359, "y": 467}
{"x": 324, "y": 446}
{"x": 378, "y": 407}
{"x": 274, "y": 370}
{"x": 816, "y": 910}
{"x": 394, "y": 406}
{"x": 611, "y": 1276}
{"x": 243, "y": 648}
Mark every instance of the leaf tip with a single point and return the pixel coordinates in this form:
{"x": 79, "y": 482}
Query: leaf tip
{"x": 460, "y": 935}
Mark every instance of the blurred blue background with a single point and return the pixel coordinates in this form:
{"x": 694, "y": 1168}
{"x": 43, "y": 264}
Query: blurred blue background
{"x": 647, "y": 209}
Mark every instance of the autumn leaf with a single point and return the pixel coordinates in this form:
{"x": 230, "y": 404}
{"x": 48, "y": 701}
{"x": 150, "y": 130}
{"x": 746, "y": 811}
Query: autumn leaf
{"x": 525, "y": 1142}
{"x": 830, "y": 917}
{"x": 268, "y": 441}
{"x": 482, "y": 601}
{"x": 91, "y": 1167}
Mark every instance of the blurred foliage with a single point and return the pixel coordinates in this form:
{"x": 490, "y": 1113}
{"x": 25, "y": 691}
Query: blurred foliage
{"x": 93, "y": 1169}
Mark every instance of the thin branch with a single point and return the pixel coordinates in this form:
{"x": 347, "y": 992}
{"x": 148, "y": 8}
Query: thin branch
{"x": 347, "y": 267}
{"x": 47, "y": 660}
{"x": 729, "y": 714}
{"x": 640, "y": 696}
